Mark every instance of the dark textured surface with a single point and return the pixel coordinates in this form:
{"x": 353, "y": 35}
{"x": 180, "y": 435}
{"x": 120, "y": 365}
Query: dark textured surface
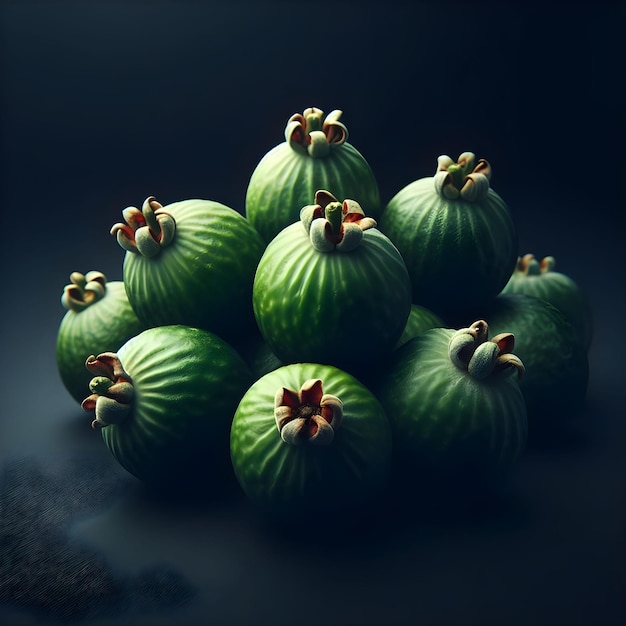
{"x": 102, "y": 104}
{"x": 47, "y": 574}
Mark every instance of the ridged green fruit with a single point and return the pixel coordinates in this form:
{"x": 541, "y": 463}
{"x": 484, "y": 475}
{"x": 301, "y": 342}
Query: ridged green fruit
{"x": 539, "y": 278}
{"x": 335, "y": 294}
{"x": 456, "y": 235}
{"x": 315, "y": 155}
{"x": 165, "y": 402}
{"x": 309, "y": 438}
{"x": 191, "y": 262}
{"x": 98, "y": 318}
{"x": 455, "y": 407}
{"x": 553, "y": 352}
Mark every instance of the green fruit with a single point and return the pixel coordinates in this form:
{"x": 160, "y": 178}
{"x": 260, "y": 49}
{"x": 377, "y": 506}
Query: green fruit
{"x": 331, "y": 289}
{"x": 455, "y": 234}
{"x": 455, "y": 409}
{"x": 98, "y": 318}
{"x": 165, "y": 403}
{"x": 553, "y": 352}
{"x": 420, "y": 320}
{"x": 539, "y": 279}
{"x": 309, "y": 438}
{"x": 192, "y": 263}
{"x": 315, "y": 155}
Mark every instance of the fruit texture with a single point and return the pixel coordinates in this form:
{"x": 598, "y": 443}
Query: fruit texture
{"x": 164, "y": 404}
{"x": 191, "y": 262}
{"x": 98, "y": 318}
{"x": 455, "y": 233}
{"x": 309, "y": 438}
{"x": 315, "y": 155}
{"x": 455, "y": 405}
{"x": 331, "y": 288}
{"x": 540, "y": 279}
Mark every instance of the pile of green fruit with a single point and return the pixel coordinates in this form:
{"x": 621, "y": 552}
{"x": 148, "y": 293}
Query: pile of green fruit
{"x": 312, "y": 344}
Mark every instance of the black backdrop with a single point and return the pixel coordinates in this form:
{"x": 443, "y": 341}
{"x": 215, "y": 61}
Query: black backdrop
{"x": 102, "y": 104}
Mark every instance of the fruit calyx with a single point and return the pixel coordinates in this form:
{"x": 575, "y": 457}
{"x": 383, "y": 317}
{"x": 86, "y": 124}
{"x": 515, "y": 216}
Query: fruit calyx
{"x": 333, "y": 225}
{"x": 530, "y": 266}
{"x": 308, "y": 415}
{"x": 471, "y": 350}
{"x": 313, "y": 134}
{"x": 84, "y": 290}
{"x": 112, "y": 390}
{"x": 466, "y": 179}
{"x": 147, "y": 231}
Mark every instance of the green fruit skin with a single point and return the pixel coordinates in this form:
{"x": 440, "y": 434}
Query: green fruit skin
{"x": 285, "y": 180}
{"x": 204, "y": 277}
{"x": 187, "y": 384}
{"x": 560, "y": 291}
{"x": 342, "y": 309}
{"x": 554, "y": 356}
{"x": 420, "y": 320}
{"x": 445, "y": 423}
{"x": 458, "y": 253}
{"x": 103, "y": 326}
{"x": 294, "y": 480}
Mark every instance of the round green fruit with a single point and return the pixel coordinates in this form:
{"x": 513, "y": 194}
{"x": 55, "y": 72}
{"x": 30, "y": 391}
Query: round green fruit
{"x": 190, "y": 262}
{"x": 98, "y": 318}
{"x": 539, "y": 278}
{"x": 315, "y": 155}
{"x": 455, "y": 233}
{"x": 455, "y": 407}
{"x": 309, "y": 438}
{"x": 165, "y": 402}
{"x": 331, "y": 288}
{"x": 553, "y": 352}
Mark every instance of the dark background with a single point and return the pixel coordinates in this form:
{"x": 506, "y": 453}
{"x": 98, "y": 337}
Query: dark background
{"x": 102, "y": 104}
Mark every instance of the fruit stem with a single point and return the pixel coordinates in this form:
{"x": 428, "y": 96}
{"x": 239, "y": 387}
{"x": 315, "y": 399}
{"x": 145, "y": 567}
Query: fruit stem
{"x": 83, "y": 290}
{"x": 529, "y": 265}
{"x": 456, "y": 175}
{"x": 112, "y": 390}
{"x": 466, "y": 179}
{"x": 313, "y": 118}
{"x": 333, "y": 213}
{"x": 312, "y": 134}
{"x": 334, "y": 225}
{"x": 308, "y": 415}
{"x": 471, "y": 350}
{"x": 147, "y": 231}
